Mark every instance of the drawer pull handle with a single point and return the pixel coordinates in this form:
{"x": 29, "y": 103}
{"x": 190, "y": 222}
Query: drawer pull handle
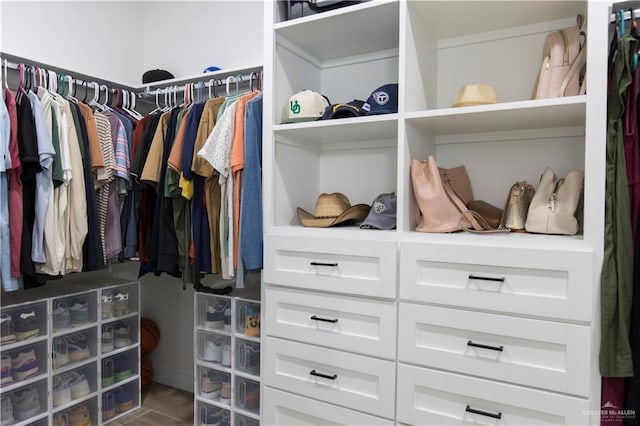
{"x": 478, "y": 345}
{"x": 478, "y": 277}
{"x": 324, "y": 376}
{"x": 483, "y": 413}
{"x": 333, "y": 265}
{"x": 316, "y": 318}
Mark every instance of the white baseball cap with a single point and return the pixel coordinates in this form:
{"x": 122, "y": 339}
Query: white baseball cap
{"x": 305, "y": 105}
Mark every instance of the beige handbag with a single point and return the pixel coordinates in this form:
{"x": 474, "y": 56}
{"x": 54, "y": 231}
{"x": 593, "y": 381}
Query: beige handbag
{"x": 440, "y": 209}
{"x": 563, "y": 59}
{"x": 516, "y": 206}
{"x": 555, "y": 203}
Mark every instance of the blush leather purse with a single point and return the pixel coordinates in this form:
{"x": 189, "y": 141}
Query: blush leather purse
{"x": 555, "y": 204}
{"x": 516, "y": 206}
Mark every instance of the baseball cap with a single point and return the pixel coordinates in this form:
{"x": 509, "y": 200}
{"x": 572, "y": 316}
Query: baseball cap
{"x": 156, "y": 75}
{"x": 383, "y": 100}
{"x": 343, "y": 110}
{"x": 382, "y": 214}
{"x": 305, "y": 105}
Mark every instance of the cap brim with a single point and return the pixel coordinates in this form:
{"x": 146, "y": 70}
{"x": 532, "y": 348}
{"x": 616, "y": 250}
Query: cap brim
{"x": 355, "y": 213}
{"x": 383, "y": 111}
{"x": 300, "y": 119}
{"x": 377, "y": 221}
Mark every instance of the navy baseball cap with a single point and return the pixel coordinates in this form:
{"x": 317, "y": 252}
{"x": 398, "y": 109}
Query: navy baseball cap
{"x": 343, "y": 110}
{"x": 383, "y": 213}
{"x": 383, "y": 100}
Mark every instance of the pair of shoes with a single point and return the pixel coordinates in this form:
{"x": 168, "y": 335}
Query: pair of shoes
{"x": 124, "y": 399}
{"x": 69, "y": 386}
{"x": 121, "y": 368}
{"x": 27, "y": 325}
{"x": 6, "y": 411}
{"x": 60, "y": 419}
{"x": 106, "y": 305}
{"x": 252, "y": 325}
{"x": 24, "y": 365}
{"x": 210, "y": 416}
{"x": 220, "y": 291}
{"x": 225, "y": 391}
{"x": 7, "y": 329}
{"x": 213, "y": 351}
{"x": 107, "y": 372}
{"x": 78, "y": 347}
{"x": 122, "y": 337}
{"x": 106, "y": 339}
{"x": 210, "y": 384}
{"x": 26, "y": 403}
{"x": 79, "y": 311}
{"x": 121, "y": 303}
{"x": 60, "y": 353}
{"x": 216, "y": 315}
{"x": 61, "y": 316}
{"x": 108, "y": 406}
{"x": 79, "y": 416}
{"x": 5, "y": 371}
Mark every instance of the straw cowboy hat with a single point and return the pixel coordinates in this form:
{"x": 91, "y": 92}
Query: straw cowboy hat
{"x": 332, "y": 209}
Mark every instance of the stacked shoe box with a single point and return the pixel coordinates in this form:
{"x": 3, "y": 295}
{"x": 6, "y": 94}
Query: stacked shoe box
{"x": 74, "y": 387}
{"x": 23, "y": 363}
{"x": 119, "y": 351}
{"x": 227, "y": 360}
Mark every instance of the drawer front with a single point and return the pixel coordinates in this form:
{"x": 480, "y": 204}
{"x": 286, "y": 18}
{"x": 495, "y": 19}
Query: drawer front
{"x": 548, "y": 283}
{"x": 283, "y": 408}
{"x": 342, "y": 266}
{"x": 429, "y": 397}
{"x": 353, "y": 381}
{"x": 340, "y": 322}
{"x": 531, "y": 352}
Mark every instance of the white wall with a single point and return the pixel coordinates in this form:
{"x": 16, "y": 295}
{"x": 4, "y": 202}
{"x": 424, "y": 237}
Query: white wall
{"x": 91, "y": 37}
{"x": 185, "y": 37}
{"x": 118, "y": 41}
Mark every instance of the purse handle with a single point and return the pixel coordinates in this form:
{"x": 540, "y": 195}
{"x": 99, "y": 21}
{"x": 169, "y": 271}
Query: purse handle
{"x": 481, "y": 220}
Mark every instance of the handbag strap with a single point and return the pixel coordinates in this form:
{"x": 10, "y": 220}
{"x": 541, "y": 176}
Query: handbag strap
{"x": 487, "y": 229}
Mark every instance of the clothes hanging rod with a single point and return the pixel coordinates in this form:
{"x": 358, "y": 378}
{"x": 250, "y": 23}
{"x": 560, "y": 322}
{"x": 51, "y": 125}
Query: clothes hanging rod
{"x": 207, "y": 79}
{"x": 13, "y": 62}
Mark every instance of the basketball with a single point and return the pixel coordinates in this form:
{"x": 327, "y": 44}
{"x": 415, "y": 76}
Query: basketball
{"x": 146, "y": 371}
{"x": 149, "y": 335}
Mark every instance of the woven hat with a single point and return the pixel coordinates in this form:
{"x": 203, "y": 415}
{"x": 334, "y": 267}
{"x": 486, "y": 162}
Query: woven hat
{"x": 475, "y": 94}
{"x": 332, "y": 209}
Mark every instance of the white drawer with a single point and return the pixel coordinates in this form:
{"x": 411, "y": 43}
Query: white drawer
{"x": 542, "y": 354}
{"x": 342, "y": 266}
{"x": 429, "y": 397}
{"x": 548, "y": 283}
{"x": 354, "y": 381}
{"x": 340, "y": 322}
{"x": 283, "y": 408}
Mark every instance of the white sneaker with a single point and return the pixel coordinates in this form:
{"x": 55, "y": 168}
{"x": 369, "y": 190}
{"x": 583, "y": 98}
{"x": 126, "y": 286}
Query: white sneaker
{"x": 213, "y": 351}
{"x": 61, "y": 391}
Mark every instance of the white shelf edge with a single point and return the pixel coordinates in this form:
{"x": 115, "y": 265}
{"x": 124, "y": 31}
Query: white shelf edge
{"x": 500, "y": 106}
{"x": 216, "y": 331}
{"x": 118, "y": 384}
{"x": 73, "y": 402}
{"x": 213, "y": 366}
{"x": 246, "y": 413}
{"x": 72, "y": 366}
{"x": 212, "y": 402}
{"x": 71, "y": 330}
{"x": 329, "y": 14}
{"x": 245, "y": 337}
{"x": 118, "y": 351}
{"x": 21, "y": 343}
{"x": 120, "y": 318}
{"x": 319, "y": 124}
{"x": 17, "y": 385}
{"x": 33, "y": 419}
{"x": 223, "y": 73}
{"x": 244, "y": 375}
{"x": 119, "y": 415}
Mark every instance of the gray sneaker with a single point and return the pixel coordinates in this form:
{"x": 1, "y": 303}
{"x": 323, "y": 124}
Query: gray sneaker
{"x": 6, "y": 411}
{"x": 61, "y": 316}
{"x": 26, "y": 403}
{"x": 79, "y": 313}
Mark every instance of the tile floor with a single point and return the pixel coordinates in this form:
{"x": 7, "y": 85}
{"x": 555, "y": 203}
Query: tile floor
{"x": 161, "y": 405}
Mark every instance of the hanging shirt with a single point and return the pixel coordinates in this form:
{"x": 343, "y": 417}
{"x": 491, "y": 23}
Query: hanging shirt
{"x": 9, "y": 283}
{"x": 104, "y": 178}
{"x": 251, "y": 244}
{"x": 237, "y": 164}
{"x": 78, "y": 219}
{"x": 95, "y": 152}
{"x": 216, "y": 151}
{"x": 15, "y": 185}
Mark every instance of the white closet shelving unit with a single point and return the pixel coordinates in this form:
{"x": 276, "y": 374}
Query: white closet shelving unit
{"x": 226, "y": 360}
{"x": 377, "y": 327}
{"x": 51, "y": 345}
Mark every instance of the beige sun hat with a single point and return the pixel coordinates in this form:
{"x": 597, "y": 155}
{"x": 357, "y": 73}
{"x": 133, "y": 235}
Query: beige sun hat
{"x": 475, "y": 94}
{"x": 332, "y": 209}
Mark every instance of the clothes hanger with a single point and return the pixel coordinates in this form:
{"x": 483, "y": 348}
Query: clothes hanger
{"x": 71, "y": 91}
{"x": 132, "y": 108}
{"x": 4, "y": 75}
{"x": 211, "y": 85}
{"x": 157, "y": 108}
{"x": 229, "y": 81}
